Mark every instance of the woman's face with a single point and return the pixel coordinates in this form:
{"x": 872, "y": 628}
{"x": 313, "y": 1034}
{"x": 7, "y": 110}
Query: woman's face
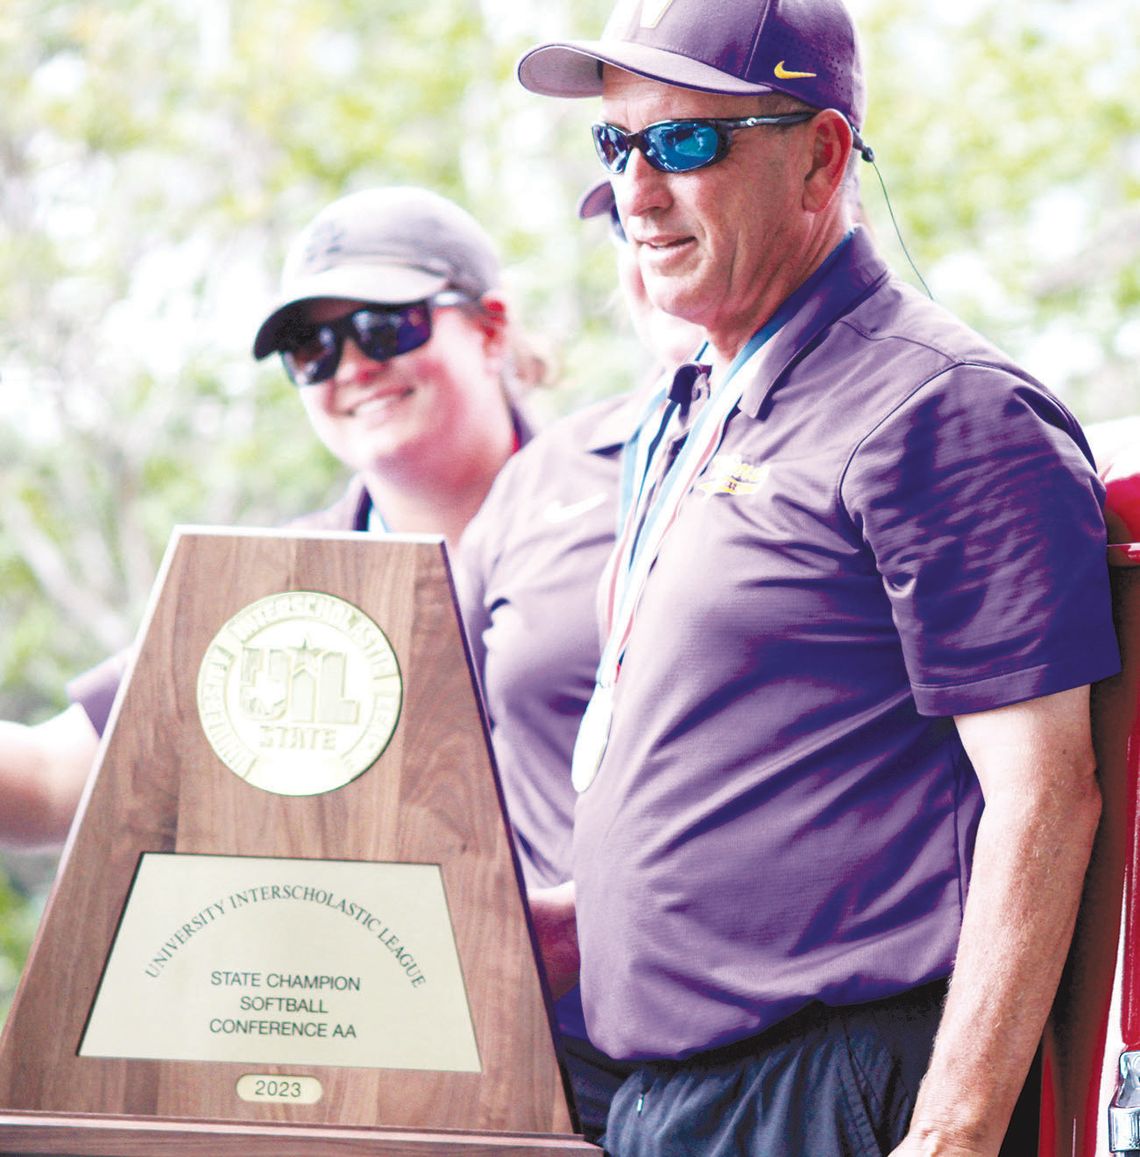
{"x": 418, "y": 413}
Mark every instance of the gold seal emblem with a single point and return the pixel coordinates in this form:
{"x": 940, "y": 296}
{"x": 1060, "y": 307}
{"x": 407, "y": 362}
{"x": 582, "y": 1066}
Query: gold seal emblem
{"x": 299, "y": 693}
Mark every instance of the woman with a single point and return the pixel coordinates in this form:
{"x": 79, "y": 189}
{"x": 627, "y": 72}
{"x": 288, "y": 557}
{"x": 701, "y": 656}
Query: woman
{"x": 392, "y": 325}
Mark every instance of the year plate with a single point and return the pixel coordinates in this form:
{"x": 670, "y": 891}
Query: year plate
{"x": 262, "y": 1087}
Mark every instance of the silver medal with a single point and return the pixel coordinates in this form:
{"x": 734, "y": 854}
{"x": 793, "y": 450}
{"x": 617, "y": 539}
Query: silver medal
{"x": 593, "y": 737}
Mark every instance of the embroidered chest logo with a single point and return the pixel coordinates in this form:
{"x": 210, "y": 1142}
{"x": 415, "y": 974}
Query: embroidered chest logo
{"x": 730, "y": 474}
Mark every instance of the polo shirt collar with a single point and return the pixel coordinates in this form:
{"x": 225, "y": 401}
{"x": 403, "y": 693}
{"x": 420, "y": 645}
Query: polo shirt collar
{"x": 521, "y": 421}
{"x": 619, "y": 424}
{"x": 359, "y": 501}
{"x": 850, "y": 273}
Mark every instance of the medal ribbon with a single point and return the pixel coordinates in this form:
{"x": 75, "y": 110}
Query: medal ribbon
{"x": 655, "y": 492}
{"x": 650, "y": 509}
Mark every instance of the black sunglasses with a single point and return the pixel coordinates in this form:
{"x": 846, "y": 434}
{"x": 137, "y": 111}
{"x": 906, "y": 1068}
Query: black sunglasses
{"x": 680, "y": 146}
{"x": 311, "y": 352}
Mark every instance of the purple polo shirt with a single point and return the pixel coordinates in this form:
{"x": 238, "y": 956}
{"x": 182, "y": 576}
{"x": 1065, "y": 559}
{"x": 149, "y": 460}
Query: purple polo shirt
{"x": 899, "y": 526}
{"x": 526, "y": 575}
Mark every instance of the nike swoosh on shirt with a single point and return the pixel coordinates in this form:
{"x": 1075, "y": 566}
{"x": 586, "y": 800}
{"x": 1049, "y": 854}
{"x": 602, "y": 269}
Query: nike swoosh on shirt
{"x": 557, "y": 511}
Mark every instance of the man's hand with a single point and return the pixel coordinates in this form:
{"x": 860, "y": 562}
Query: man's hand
{"x": 552, "y": 913}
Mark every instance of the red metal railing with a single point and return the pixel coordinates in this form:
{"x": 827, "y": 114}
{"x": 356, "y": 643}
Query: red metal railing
{"x": 1073, "y": 1106}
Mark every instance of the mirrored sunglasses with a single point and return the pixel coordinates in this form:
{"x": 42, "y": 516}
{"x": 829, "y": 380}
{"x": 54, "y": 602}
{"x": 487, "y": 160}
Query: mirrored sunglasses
{"x": 679, "y": 146}
{"x": 312, "y": 352}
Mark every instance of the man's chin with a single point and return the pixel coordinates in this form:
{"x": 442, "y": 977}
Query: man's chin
{"x": 669, "y": 296}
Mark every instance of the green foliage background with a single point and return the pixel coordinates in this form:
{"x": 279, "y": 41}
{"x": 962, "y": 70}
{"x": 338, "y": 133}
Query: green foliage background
{"x": 157, "y": 155}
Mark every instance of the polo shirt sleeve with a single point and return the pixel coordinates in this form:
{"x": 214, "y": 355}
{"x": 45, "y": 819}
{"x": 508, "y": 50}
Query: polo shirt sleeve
{"x": 96, "y": 688}
{"x": 984, "y": 519}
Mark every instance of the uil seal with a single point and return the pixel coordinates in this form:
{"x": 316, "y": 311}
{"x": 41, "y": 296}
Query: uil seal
{"x": 299, "y": 693}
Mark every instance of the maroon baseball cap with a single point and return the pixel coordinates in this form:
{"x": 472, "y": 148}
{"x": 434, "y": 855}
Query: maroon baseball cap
{"x": 806, "y": 49}
{"x": 596, "y": 200}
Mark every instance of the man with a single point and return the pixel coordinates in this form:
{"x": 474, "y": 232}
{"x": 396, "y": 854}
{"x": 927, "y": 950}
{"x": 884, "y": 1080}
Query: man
{"x": 861, "y": 593}
{"x": 392, "y": 325}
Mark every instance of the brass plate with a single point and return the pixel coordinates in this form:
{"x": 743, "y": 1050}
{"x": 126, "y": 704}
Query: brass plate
{"x": 282, "y": 961}
{"x": 299, "y": 693}
{"x": 279, "y": 1089}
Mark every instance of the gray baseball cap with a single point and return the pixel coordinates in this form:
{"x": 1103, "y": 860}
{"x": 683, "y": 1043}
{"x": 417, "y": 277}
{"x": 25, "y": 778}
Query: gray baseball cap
{"x": 806, "y": 49}
{"x": 391, "y": 245}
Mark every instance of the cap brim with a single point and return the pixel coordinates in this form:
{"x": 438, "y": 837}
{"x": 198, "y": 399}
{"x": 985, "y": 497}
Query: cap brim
{"x": 387, "y": 283}
{"x": 596, "y": 201}
{"x": 573, "y": 68}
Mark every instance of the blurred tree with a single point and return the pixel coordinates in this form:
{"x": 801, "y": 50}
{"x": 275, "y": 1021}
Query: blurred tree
{"x": 1010, "y": 143}
{"x": 157, "y": 155}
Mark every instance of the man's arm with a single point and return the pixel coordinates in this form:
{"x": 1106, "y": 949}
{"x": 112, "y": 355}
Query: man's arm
{"x": 1035, "y": 763}
{"x": 42, "y": 773}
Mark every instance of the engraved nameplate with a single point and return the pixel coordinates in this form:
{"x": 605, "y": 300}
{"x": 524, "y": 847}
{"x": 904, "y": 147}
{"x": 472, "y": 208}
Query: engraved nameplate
{"x": 285, "y": 961}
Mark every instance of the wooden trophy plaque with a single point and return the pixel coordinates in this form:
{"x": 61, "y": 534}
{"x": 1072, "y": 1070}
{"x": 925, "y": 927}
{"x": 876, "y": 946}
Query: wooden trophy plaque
{"x": 288, "y": 918}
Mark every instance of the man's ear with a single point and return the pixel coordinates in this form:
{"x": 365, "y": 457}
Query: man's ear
{"x": 831, "y": 151}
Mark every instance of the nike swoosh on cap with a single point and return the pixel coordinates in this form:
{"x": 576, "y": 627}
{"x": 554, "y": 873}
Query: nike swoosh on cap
{"x": 783, "y": 73}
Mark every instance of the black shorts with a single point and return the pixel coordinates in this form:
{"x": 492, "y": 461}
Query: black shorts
{"x": 827, "y": 1082}
{"x": 594, "y": 1078}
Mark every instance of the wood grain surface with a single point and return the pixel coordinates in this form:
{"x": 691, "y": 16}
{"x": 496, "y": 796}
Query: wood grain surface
{"x": 431, "y": 797}
{"x": 109, "y": 1137}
